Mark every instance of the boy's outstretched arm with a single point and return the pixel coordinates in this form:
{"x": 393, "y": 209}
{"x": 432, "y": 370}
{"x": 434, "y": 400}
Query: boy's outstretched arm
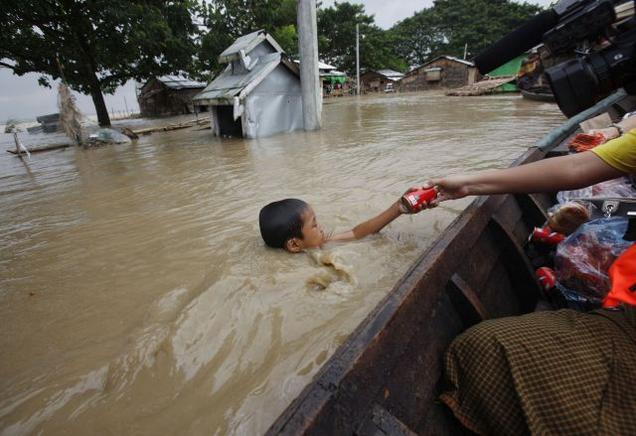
{"x": 371, "y": 226}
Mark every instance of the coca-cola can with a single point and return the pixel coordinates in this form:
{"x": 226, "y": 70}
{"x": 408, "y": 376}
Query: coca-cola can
{"x": 546, "y": 277}
{"x": 545, "y": 235}
{"x": 414, "y": 201}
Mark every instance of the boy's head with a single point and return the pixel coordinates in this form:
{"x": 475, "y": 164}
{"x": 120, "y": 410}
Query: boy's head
{"x": 290, "y": 224}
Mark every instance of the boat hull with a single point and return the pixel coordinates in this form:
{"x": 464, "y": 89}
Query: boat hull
{"x": 538, "y": 96}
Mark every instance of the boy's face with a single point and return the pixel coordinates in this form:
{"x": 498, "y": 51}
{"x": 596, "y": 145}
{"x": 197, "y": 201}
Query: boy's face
{"x": 313, "y": 235}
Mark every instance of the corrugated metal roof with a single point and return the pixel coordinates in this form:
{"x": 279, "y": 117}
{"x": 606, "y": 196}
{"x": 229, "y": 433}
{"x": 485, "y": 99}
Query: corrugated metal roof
{"x": 461, "y": 61}
{"x": 391, "y": 74}
{"x": 180, "y": 82}
{"x": 450, "y": 58}
{"x": 321, "y": 65}
{"x": 227, "y": 85}
{"x": 247, "y": 43}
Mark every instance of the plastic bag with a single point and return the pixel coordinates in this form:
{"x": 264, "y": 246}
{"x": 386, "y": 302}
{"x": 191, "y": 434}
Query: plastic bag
{"x": 108, "y": 136}
{"x": 582, "y": 261}
{"x": 620, "y": 187}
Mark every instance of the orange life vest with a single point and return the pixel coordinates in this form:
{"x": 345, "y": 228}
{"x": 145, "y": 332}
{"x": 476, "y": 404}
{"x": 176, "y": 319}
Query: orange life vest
{"x": 622, "y": 274}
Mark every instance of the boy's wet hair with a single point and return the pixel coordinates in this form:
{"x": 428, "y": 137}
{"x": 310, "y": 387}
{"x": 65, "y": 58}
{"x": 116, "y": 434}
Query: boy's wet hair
{"x": 281, "y": 221}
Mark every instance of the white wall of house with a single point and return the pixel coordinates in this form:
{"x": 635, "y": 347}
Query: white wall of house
{"x": 274, "y": 106}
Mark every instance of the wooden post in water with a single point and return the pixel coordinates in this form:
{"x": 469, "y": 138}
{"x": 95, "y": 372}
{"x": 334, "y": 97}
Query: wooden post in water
{"x": 309, "y": 77}
{"x": 19, "y": 148}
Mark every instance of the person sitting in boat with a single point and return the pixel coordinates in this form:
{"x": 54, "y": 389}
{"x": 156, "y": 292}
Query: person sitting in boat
{"x": 291, "y": 224}
{"x": 550, "y": 372}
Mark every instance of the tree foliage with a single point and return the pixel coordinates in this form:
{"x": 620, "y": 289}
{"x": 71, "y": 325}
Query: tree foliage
{"x": 100, "y": 43}
{"x": 419, "y": 38}
{"x": 337, "y": 39}
{"x": 449, "y": 25}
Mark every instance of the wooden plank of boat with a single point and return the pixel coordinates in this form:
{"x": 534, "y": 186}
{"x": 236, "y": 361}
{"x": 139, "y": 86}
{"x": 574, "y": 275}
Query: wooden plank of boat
{"x": 538, "y": 96}
{"x": 385, "y": 379}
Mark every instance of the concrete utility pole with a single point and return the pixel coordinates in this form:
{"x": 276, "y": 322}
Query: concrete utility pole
{"x": 309, "y": 77}
{"x": 357, "y": 59}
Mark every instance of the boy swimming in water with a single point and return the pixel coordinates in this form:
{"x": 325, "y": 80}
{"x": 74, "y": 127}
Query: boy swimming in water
{"x": 291, "y": 224}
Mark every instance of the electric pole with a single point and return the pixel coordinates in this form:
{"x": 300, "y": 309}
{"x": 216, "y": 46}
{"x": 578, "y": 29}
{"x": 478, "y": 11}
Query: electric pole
{"x": 308, "y": 51}
{"x": 357, "y": 59}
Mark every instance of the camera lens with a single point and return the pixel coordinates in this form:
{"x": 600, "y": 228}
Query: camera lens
{"x": 574, "y": 85}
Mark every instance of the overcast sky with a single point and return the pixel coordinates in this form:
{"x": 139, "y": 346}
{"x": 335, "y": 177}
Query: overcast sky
{"x": 22, "y": 97}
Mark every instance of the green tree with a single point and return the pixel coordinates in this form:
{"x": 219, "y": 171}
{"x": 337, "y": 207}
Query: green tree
{"x": 419, "y": 38}
{"x": 337, "y": 39}
{"x": 479, "y": 23}
{"x": 101, "y": 44}
{"x": 226, "y": 20}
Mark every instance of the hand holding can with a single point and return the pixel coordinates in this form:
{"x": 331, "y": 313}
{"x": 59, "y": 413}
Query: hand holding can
{"x": 416, "y": 200}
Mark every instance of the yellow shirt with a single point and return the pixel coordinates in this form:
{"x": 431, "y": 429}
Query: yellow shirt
{"x": 619, "y": 153}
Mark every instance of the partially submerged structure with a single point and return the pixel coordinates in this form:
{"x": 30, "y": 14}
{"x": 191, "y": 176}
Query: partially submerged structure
{"x": 168, "y": 95}
{"x": 48, "y": 124}
{"x": 440, "y": 73}
{"x": 258, "y": 94}
{"x": 501, "y": 79}
{"x": 377, "y": 81}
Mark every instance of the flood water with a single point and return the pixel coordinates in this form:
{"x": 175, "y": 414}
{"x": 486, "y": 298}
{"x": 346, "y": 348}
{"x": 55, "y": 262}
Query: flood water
{"x": 136, "y": 295}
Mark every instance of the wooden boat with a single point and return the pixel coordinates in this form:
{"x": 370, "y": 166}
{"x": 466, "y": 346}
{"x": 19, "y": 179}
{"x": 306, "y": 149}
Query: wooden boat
{"x": 385, "y": 379}
{"x": 538, "y": 94}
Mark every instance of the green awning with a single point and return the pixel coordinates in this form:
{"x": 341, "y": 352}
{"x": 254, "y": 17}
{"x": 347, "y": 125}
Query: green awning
{"x": 335, "y": 79}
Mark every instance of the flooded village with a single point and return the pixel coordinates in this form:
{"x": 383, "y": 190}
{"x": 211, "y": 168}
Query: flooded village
{"x": 136, "y": 292}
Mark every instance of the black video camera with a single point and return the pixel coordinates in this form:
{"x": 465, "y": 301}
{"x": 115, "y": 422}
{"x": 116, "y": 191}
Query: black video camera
{"x": 599, "y": 36}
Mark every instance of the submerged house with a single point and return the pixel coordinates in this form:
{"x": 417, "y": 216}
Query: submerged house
{"x": 258, "y": 94}
{"x": 377, "y": 81}
{"x": 168, "y": 95}
{"x": 439, "y": 73}
{"x": 48, "y": 124}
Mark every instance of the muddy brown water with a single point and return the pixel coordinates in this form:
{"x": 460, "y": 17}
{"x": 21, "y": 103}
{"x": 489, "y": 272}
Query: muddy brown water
{"x": 137, "y": 297}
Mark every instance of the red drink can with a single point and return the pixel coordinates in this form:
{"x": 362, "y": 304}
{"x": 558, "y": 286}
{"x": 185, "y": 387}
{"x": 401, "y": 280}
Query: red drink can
{"x": 414, "y": 200}
{"x": 546, "y": 277}
{"x": 545, "y": 235}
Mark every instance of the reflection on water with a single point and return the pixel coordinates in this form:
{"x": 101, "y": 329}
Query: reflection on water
{"x": 137, "y": 297}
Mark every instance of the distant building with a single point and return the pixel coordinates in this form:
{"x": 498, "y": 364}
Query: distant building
{"x": 439, "y": 73}
{"x": 379, "y": 81}
{"x": 509, "y": 69}
{"x": 258, "y": 94}
{"x": 333, "y": 82}
{"x": 168, "y": 95}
